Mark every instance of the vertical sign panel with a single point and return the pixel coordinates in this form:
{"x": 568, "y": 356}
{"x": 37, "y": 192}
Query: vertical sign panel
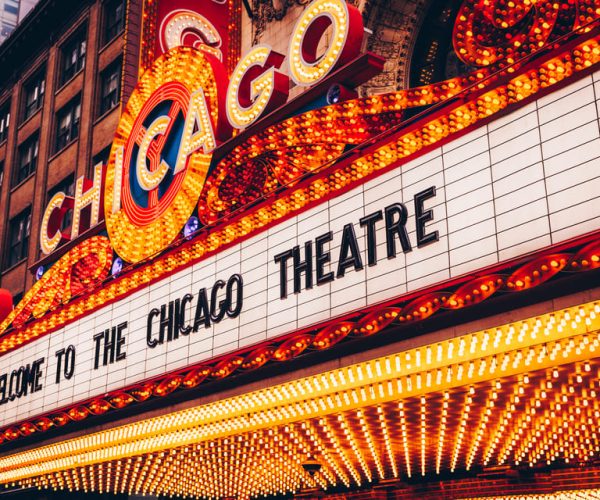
{"x": 209, "y": 25}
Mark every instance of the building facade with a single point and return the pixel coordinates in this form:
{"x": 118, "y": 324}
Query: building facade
{"x": 48, "y": 96}
{"x": 292, "y": 249}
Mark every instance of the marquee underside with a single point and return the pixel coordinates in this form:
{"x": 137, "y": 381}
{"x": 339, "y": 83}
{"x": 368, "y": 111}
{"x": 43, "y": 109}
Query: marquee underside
{"x": 509, "y": 404}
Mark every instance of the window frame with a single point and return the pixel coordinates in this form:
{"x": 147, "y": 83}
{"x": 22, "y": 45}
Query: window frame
{"x": 31, "y": 166}
{"x": 115, "y": 68}
{"x": 4, "y": 121}
{"x": 75, "y": 44}
{"x": 39, "y": 77}
{"x": 13, "y": 258}
{"x": 111, "y": 30}
{"x": 74, "y": 127}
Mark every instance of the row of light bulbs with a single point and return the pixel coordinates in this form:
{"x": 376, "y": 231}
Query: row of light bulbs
{"x": 385, "y": 418}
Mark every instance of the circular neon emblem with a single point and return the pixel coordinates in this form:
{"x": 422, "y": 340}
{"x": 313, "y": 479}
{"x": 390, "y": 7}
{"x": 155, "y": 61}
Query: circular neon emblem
{"x": 162, "y": 151}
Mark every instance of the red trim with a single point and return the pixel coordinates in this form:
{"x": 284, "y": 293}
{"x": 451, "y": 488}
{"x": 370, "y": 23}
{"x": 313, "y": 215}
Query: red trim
{"x": 288, "y": 346}
{"x": 428, "y": 115}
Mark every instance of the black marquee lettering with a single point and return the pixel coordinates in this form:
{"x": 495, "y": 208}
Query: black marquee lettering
{"x": 397, "y": 228}
{"x": 282, "y": 258}
{"x": 21, "y": 381}
{"x": 323, "y": 258}
{"x": 303, "y": 266}
{"x": 214, "y": 315}
{"x": 423, "y": 216}
{"x": 165, "y": 323}
{"x": 36, "y": 375}
{"x": 98, "y": 342}
{"x": 176, "y": 320}
{"x": 236, "y": 280}
{"x": 120, "y": 342}
{"x": 12, "y": 383}
{"x": 69, "y": 362}
{"x": 202, "y": 315}
{"x": 369, "y": 222}
{"x": 3, "y": 386}
{"x": 349, "y": 252}
{"x": 150, "y": 341}
{"x": 184, "y": 328}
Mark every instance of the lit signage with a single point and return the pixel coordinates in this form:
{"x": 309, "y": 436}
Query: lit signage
{"x": 393, "y": 219}
{"x": 374, "y": 226}
{"x": 219, "y": 304}
{"x": 180, "y": 110}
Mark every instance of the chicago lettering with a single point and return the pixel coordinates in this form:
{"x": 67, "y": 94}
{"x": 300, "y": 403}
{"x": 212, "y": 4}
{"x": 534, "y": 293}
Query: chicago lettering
{"x": 257, "y": 86}
{"x": 21, "y": 381}
{"x": 168, "y": 322}
{"x": 393, "y": 218}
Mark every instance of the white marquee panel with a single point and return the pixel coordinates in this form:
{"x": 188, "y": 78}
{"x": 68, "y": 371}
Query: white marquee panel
{"x": 527, "y": 180}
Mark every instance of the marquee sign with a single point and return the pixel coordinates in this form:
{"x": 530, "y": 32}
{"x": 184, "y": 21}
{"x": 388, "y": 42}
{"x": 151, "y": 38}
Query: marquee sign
{"x": 178, "y": 113}
{"x": 162, "y": 151}
{"x": 258, "y": 270}
{"x": 209, "y": 26}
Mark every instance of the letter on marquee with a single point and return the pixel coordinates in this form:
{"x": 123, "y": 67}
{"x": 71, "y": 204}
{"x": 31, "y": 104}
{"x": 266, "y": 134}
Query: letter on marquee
{"x": 256, "y": 86}
{"x": 58, "y": 205}
{"x": 149, "y": 180}
{"x": 91, "y": 197}
{"x": 197, "y": 118}
{"x": 347, "y": 26}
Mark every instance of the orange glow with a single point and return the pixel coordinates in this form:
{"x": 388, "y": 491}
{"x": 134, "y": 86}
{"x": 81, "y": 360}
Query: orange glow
{"x": 467, "y": 294}
{"x": 350, "y": 122}
{"x": 475, "y": 291}
{"x": 292, "y": 347}
{"x": 376, "y": 321}
{"x": 537, "y": 272}
{"x": 522, "y": 394}
{"x": 332, "y": 334}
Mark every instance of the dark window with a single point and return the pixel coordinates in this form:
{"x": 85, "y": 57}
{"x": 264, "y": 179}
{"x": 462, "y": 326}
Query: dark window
{"x": 28, "y": 156}
{"x": 67, "y": 123}
{"x": 114, "y": 19}
{"x": 34, "y": 94}
{"x": 73, "y": 57}
{"x": 66, "y": 186}
{"x": 18, "y": 238}
{"x": 4, "y": 121}
{"x": 17, "y": 298}
{"x": 110, "y": 87}
{"x": 101, "y": 157}
{"x": 1, "y": 173}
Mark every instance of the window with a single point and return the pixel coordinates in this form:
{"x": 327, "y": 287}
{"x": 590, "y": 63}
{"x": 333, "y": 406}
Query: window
{"x": 114, "y": 19}
{"x": 101, "y": 157}
{"x": 34, "y": 94}
{"x": 67, "y": 123}
{"x": 110, "y": 87}
{"x": 1, "y": 173}
{"x": 73, "y": 57}
{"x": 19, "y": 228}
{"x": 4, "y": 121}
{"x": 66, "y": 186}
{"x": 27, "y": 159}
